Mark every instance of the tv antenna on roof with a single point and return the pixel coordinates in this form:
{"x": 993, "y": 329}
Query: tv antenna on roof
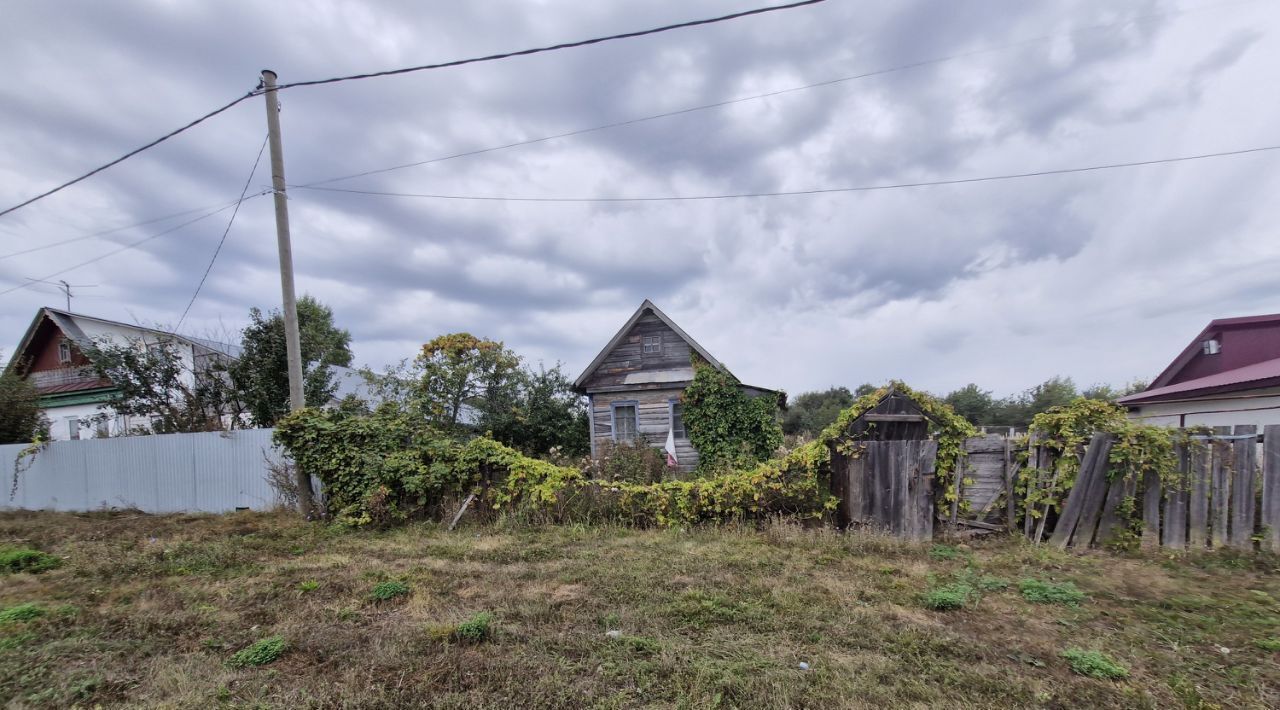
{"x": 64, "y": 287}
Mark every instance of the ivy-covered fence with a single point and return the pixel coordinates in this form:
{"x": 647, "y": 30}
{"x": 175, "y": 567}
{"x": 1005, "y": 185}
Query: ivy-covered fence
{"x": 1093, "y": 478}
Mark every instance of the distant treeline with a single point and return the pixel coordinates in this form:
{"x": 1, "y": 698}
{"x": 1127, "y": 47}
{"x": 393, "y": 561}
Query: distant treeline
{"x": 810, "y": 412}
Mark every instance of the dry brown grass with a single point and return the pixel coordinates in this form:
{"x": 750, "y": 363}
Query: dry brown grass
{"x": 146, "y": 610}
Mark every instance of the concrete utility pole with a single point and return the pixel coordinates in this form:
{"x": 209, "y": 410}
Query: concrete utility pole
{"x": 293, "y": 345}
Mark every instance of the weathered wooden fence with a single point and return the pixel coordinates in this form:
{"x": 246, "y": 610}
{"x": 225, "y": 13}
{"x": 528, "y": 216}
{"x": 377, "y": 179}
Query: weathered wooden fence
{"x": 1222, "y": 495}
{"x": 887, "y": 485}
{"x": 1217, "y": 498}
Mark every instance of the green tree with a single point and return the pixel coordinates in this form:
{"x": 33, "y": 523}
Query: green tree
{"x": 544, "y": 414}
{"x": 864, "y": 389}
{"x": 811, "y": 412}
{"x": 728, "y": 428}
{"x": 973, "y": 403}
{"x": 1108, "y": 393}
{"x": 21, "y": 420}
{"x": 154, "y": 381}
{"x": 458, "y": 369}
{"x": 261, "y": 374}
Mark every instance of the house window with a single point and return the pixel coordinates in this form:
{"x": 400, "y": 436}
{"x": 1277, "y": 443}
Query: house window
{"x": 73, "y": 428}
{"x": 64, "y": 351}
{"x": 652, "y": 344}
{"x": 624, "y": 421}
{"x": 677, "y": 420}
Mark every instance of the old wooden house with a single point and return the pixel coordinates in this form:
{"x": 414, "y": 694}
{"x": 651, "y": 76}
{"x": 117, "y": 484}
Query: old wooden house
{"x": 634, "y": 385}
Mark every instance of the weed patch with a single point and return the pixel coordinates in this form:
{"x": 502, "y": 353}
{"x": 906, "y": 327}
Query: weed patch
{"x": 1040, "y": 592}
{"x": 949, "y": 597}
{"x": 1268, "y": 644}
{"x": 383, "y": 591}
{"x": 943, "y": 552}
{"x": 21, "y": 612}
{"x": 258, "y": 653}
{"x": 475, "y": 628}
{"x": 23, "y": 559}
{"x": 1094, "y": 664}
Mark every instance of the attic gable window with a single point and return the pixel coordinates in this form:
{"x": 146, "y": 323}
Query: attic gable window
{"x": 652, "y": 344}
{"x": 64, "y": 351}
{"x": 1211, "y": 346}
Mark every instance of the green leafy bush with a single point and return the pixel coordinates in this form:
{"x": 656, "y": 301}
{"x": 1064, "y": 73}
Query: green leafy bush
{"x": 1094, "y": 664}
{"x": 260, "y": 652}
{"x": 475, "y": 628}
{"x": 22, "y": 559}
{"x": 21, "y": 612}
{"x": 382, "y": 591}
{"x": 949, "y": 597}
{"x": 1039, "y": 592}
{"x": 729, "y": 429}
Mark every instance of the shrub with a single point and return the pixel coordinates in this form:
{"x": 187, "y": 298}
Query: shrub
{"x": 21, "y": 612}
{"x": 260, "y": 652}
{"x": 475, "y": 628}
{"x": 1034, "y": 590}
{"x": 22, "y": 559}
{"x": 1094, "y": 664}
{"x": 382, "y": 591}
{"x": 948, "y": 597}
{"x": 631, "y": 463}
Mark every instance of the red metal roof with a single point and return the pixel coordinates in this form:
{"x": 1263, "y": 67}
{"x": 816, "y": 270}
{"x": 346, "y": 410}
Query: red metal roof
{"x": 1247, "y": 377}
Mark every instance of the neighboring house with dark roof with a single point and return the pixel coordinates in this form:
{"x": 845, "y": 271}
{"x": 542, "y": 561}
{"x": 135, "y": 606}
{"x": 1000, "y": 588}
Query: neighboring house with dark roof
{"x": 1229, "y": 374}
{"x": 634, "y": 386}
{"x": 51, "y": 356}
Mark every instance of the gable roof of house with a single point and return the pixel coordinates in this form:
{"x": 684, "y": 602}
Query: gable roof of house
{"x": 66, "y": 321}
{"x": 1259, "y": 374}
{"x": 626, "y": 328}
{"x": 1215, "y": 326}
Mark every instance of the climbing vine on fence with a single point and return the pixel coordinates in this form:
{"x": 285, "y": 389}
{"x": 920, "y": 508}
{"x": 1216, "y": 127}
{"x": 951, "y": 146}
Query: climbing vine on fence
{"x": 945, "y": 426}
{"x": 1065, "y": 431}
{"x": 386, "y": 467}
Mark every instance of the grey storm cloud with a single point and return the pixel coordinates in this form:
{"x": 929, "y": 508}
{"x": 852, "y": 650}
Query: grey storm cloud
{"x": 1001, "y": 283}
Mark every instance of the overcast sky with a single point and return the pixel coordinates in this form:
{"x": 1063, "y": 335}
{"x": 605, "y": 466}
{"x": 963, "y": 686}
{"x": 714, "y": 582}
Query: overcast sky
{"x": 1103, "y": 276}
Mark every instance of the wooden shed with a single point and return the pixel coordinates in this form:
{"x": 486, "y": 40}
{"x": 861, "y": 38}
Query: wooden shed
{"x": 882, "y": 469}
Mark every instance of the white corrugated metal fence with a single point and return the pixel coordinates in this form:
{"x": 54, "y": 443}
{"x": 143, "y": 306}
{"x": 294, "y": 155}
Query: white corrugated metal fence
{"x": 212, "y": 472}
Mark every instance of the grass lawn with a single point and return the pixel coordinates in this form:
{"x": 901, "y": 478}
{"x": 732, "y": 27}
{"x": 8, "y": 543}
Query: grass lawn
{"x": 254, "y": 610}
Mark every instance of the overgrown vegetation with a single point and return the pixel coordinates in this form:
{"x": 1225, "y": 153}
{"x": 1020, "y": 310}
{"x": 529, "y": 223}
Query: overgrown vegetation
{"x": 1041, "y": 592}
{"x": 382, "y": 591}
{"x": 25, "y": 559}
{"x": 1094, "y": 664}
{"x": 21, "y": 419}
{"x": 155, "y": 606}
{"x": 20, "y": 612}
{"x": 475, "y": 628}
{"x": 729, "y": 429}
{"x": 258, "y": 653}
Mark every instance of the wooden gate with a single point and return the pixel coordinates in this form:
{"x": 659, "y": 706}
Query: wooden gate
{"x": 887, "y": 485}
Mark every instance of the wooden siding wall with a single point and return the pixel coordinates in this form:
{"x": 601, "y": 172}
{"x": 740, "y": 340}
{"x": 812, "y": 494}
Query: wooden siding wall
{"x": 653, "y": 415}
{"x": 629, "y": 356}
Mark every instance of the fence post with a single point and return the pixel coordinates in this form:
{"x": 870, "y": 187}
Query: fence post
{"x": 1220, "y": 487}
{"x": 1242, "y": 485}
{"x": 1271, "y": 488}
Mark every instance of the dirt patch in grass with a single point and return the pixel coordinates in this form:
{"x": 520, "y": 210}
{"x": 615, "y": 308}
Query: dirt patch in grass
{"x": 147, "y": 610}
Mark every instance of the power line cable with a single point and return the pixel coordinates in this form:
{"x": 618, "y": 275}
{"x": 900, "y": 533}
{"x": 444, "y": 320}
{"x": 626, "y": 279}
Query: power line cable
{"x": 113, "y": 230}
{"x": 225, "y": 232}
{"x": 136, "y": 244}
{"x": 555, "y": 47}
{"x": 813, "y": 191}
{"x": 770, "y": 94}
{"x": 407, "y": 70}
{"x": 130, "y": 154}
